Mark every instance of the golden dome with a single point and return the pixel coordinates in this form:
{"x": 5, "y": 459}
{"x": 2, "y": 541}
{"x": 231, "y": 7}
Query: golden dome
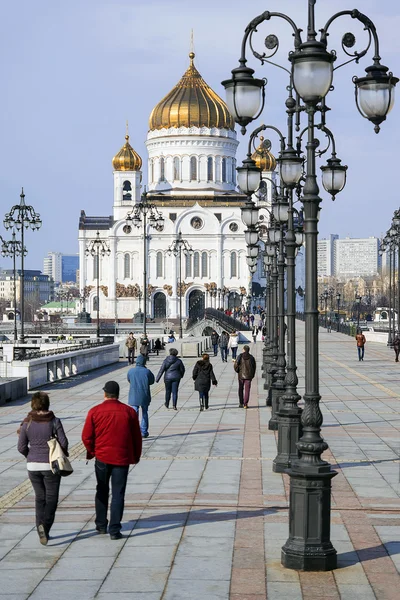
{"x": 264, "y": 159}
{"x": 191, "y": 103}
{"x": 127, "y": 159}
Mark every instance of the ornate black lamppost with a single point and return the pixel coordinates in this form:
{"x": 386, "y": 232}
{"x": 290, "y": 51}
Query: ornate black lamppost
{"x": 308, "y": 546}
{"x": 326, "y": 296}
{"x": 358, "y": 304}
{"x": 13, "y": 248}
{"x": 97, "y": 248}
{"x": 338, "y": 308}
{"x": 21, "y": 217}
{"x": 178, "y": 246}
{"x": 147, "y": 214}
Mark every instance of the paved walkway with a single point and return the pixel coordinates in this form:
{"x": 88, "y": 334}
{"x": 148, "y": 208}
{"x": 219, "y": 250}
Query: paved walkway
{"x": 205, "y": 516}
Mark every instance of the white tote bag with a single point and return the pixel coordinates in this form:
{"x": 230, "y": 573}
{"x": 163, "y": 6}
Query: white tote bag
{"x": 59, "y": 463}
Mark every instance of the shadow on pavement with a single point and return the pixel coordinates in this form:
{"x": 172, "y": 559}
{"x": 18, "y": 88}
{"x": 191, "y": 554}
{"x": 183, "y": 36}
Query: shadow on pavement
{"x": 364, "y": 554}
{"x": 364, "y": 463}
{"x": 163, "y": 437}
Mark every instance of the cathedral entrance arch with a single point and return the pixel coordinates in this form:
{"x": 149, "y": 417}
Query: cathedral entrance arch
{"x": 234, "y": 300}
{"x": 196, "y": 304}
{"x": 160, "y": 305}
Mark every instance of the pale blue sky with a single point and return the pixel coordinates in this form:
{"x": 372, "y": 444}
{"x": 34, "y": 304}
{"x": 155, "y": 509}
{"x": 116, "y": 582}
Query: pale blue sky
{"x": 72, "y": 73}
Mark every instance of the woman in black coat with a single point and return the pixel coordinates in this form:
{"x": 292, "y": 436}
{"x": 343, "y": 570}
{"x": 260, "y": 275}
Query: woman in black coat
{"x": 203, "y": 376}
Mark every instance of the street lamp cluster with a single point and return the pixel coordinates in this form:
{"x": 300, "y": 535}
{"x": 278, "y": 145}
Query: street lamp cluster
{"x": 97, "y": 248}
{"x": 179, "y": 246}
{"x": 310, "y": 79}
{"x": 391, "y": 246}
{"x": 21, "y": 216}
{"x": 145, "y": 214}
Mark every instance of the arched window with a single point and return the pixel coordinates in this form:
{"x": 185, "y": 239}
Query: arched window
{"x": 233, "y": 171}
{"x": 210, "y": 169}
{"x": 152, "y": 170}
{"x": 127, "y": 266}
{"x": 204, "y": 264}
{"x": 188, "y": 265}
{"x": 159, "y": 264}
{"x": 127, "y": 191}
{"x": 162, "y": 169}
{"x": 224, "y": 170}
{"x": 193, "y": 168}
{"x": 176, "y": 169}
{"x": 196, "y": 265}
{"x": 233, "y": 264}
{"x": 95, "y": 302}
{"x": 95, "y": 267}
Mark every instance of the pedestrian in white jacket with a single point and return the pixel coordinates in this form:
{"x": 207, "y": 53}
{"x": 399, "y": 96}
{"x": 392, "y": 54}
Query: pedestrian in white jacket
{"x": 233, "y": 344}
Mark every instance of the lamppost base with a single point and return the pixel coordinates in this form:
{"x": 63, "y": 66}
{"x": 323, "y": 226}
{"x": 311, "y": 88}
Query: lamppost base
{"x": 289, "y": 427}
{"x": 268, "y": 401}
{"x": 308, "y": 547}
{"x": 276, "y": 394}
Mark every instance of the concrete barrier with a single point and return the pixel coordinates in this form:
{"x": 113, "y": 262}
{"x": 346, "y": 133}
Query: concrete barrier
{"x": 191, "y": 346}
{"x": 39, "y": 371}
{"x": 12, "y": 389}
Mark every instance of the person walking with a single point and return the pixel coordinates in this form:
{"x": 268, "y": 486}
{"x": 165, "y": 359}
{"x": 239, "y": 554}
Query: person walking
{"x": 140, "y": 379}
{"x": 145, "y": 347}
{"x": 245, "y": 367}
{"x": 329, "y": 325}
{"x": 131, "y": 345}
{"x": 214, "y": 342}
{"x": 173, "y": 370}
{"x": 396, "y": 346}
{"x": 223, "y": 345}
{"x": 111, "y": 435}
{"x": 203, "y": 376}
{"x": 361, "y": 341}
{"x": 158, "y": 345}
{"x": 233, "y": 344}
{"x": 254, "y": 333}
{"x": 36, "y": 430}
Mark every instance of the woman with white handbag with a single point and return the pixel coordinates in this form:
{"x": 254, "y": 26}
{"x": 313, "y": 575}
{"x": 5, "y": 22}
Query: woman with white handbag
{"x": 37, "y": 429}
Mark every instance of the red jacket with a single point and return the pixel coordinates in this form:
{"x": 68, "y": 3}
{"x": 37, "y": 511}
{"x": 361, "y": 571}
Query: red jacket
{"x": 112, "y": 434}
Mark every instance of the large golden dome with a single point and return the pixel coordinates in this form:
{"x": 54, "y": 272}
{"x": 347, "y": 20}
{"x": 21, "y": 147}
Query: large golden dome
{"x": 127, "y": 159}
{"x": 262, "y": 156}
{"x": 191, "y": 103}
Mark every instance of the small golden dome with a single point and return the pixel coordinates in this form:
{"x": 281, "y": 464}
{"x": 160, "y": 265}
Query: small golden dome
{"x": 127, "y": 159}
{"x": 191, "y": 103}
{"x": 262, "y": 156}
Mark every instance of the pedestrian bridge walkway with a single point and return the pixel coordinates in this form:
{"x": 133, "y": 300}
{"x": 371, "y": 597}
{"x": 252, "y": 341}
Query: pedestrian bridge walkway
{"x": 205, "y": 515}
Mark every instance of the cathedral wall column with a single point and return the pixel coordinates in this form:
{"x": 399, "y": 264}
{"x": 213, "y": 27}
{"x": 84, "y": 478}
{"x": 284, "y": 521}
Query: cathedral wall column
{"x": 185, "y": 168}
{"x": 220, "y": 258}
{"x": 82, "y": 265}
{"x": 112, "y": 275}
{"x": 203, "y": 169}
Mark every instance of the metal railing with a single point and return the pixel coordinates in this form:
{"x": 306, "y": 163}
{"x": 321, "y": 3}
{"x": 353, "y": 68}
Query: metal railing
{"x": 21, "y": 353}
{"x": 229, "y": 323}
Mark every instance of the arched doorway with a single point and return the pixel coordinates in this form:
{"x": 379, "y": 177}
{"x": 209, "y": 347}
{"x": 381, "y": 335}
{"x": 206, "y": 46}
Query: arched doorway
{"x": 160, "y": 305}
{"x": 196, "y": 304}
{"x": 233, "y": 300}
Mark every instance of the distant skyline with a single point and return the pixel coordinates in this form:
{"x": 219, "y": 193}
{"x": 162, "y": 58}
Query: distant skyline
{"x": 73, "y": 73}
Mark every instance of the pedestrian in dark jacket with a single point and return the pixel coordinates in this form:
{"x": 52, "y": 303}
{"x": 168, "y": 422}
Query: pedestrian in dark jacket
{"x": 360, "y": 339}
{"x": 35, "y": 431}
{"x": 158, "y": 345}
{"x": 214, "y": 342}
{"x": 145, "y": 347}
{"x": 396, "y": 346}
{"x": 140, "y": 379}
{"x": 174, "y": 371}
{"x": 223, "y": 344}
{"x": 111, "y": 434}
{"x": 245, "y": 367}
{"x": 203, "y": 375}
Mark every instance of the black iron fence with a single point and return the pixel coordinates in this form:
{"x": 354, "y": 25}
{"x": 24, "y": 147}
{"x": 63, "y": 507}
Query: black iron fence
{"x": 229, "y": 323}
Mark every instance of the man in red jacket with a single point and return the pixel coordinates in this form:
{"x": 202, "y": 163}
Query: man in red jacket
{"x": 111, "y": 434}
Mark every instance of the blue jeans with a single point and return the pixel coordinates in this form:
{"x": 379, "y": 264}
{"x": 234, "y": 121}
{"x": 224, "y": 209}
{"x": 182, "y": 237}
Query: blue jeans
{"x": 234, "y": 352}
{"x": 224, "y": 353}
{"x": 144, "y": 425}
{"x": 360, "y": 352}
{"x": 215, "y": 348}
{"x": 118, "y": 475}
{"x": 171, "y": 387}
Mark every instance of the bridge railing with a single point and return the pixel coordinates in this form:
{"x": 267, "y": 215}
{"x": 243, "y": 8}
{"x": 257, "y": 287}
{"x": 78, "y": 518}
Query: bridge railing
{"x": 229, "y": 323}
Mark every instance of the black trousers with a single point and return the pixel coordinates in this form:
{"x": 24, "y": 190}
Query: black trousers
{"x": 118, "y": 476}
{"x": 46, "y": 486}
{"x": 131, "y": 356}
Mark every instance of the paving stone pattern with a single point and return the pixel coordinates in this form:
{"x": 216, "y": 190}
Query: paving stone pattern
{"x": 205, "y": 515}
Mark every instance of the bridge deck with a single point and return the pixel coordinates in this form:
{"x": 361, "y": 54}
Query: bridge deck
{"x": 205, "y": 516}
